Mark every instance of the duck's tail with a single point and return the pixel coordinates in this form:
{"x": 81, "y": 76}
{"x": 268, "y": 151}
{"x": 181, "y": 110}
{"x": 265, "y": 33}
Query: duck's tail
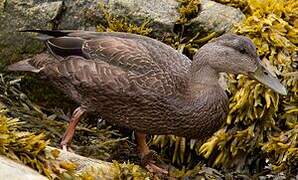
{"x": 23, "y": 66}
{"x": 64, "y": 33}
{"x": 61, "y": 43}
{"x": 47, "y": 34}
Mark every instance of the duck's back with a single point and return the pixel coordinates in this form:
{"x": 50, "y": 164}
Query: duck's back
{"x": 158, "y": 54}
{"x": 122, "y": 49}
{"x": 154, "y": 64}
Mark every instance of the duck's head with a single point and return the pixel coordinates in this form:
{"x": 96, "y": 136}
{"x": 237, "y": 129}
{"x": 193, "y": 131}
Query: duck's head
{"x": 237, "y": 54}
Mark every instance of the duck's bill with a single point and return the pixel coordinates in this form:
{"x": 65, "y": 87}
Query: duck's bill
{"x": 265, "y": 77}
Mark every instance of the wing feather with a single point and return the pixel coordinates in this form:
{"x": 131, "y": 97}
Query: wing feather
{"x": 90, "y": 74}
{"x": 134, "y": 56}
{"x": 125, "y": 53}
{"x": 150, "y": 64}
{"x": 99, "y": 76}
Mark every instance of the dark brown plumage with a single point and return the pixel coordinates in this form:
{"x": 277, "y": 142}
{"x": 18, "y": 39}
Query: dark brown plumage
{"x": 143, "y": 84}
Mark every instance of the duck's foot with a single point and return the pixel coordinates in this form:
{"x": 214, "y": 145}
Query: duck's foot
{"x": 65, "y": 147}
{"x": 155, "y": 169}
{"x": 149, "y": 159}
{"x": 154, "y": 166}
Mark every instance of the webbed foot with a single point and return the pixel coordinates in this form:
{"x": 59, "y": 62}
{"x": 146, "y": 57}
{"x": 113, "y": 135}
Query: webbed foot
{"x": 154, "y": 165}
{"x": 148, "y": 159}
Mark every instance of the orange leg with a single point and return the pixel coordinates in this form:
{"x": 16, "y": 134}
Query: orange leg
{"x": 144, "y": 151}
{"x": 68, "y": 135}
{"x": 142, "y": 146}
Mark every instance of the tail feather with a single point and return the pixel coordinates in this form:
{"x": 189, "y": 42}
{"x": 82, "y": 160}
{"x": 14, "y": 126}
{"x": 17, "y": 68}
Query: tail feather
{"x": 45, "y": 35}
{"x": 59, "y": 45}
{"x": 23, "y": 66}
{"x": 62, "y": 33}
{"x": 53, "y": 33}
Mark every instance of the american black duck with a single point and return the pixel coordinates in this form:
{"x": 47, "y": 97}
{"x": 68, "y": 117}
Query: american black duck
{"x": 143, "y": 84}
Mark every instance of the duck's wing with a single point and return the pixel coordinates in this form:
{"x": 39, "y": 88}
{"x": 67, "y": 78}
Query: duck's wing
{"x": 93, "y": 75}
{"x": 154, "y": 69}
{"x": 125, "y": 53}
{"x": 130, "y": 51}
{"x": 155, "y": 54}
{"x": 96, "y": 76}
{"x": 140, "y": 55}
{"x": 118, "y": 51}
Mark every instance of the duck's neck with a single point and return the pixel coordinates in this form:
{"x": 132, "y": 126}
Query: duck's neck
{"x": 205, "y": 75}
{"x": 202, "y": 76}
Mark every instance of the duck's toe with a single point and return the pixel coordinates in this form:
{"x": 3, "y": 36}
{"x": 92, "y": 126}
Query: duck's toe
{"x": 153, "y": 168}
{"x": 65, "y": 147}
{"x": 154, "y": 164}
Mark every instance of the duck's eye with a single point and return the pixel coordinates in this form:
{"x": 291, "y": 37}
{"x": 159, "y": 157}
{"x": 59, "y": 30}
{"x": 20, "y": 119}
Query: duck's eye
{"x": 242, "y": 50}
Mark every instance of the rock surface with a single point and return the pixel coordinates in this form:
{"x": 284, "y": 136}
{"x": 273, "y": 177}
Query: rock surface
{"x": 215, "y": 17}
{"x": 162, "y": 13}
{"x": 12, "y": 170}
{"x": 86, "y": 14}
{"x": 84, "y": 163}
{"x": 15, "y": 171}
{"x": 17, "y": 14}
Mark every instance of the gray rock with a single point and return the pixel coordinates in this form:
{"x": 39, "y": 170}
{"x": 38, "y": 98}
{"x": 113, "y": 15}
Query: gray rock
{"x": 80, "y": 14}
{"x": 17, "y": 14}
{"x": 162, "y": 13}
{"x": 86, "y": 14}
{"x": 215, "y": 17}
{"x": 83, "y": 163}
{"x": 29, "y": 14}
{"x": 105, "y": 170}
{"x": 12, "y": 170}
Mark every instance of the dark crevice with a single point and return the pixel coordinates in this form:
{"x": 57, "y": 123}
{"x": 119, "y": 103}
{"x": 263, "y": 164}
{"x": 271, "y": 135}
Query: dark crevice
{"x": 186, "y": 16}
{"x": 57, "y": 20}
